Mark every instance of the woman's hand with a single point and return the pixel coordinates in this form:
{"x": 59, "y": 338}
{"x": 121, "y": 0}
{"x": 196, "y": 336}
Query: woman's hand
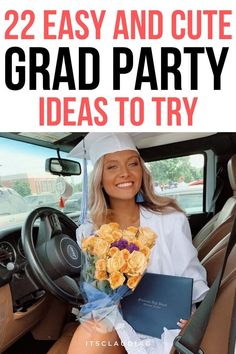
{"x": 182, "y": 323}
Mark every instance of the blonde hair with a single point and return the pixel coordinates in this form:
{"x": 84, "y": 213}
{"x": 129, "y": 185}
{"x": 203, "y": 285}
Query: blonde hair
{"x": 100, "y": 212}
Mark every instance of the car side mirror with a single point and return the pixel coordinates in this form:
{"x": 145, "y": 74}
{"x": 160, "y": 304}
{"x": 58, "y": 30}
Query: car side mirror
{"x": 62, "y": 167}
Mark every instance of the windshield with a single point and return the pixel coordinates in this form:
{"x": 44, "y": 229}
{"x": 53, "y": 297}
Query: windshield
{"x": 24, "y": 184}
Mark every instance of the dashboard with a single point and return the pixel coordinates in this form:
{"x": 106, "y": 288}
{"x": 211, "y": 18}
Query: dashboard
{"x": 7, "y": 254}
{"x": 11, "y": 252}
{"x": 15, "y": 271}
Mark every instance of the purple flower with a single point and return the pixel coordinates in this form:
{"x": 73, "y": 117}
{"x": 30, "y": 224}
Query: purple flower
{"x": 132, "y": 247}
{"x": 121, "y": 244}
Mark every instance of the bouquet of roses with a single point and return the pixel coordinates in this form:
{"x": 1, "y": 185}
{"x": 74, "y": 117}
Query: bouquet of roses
{"x": 114, "y": 261}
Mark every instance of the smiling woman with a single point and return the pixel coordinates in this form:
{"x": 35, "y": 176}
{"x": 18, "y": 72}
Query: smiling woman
{"x": 120, "y": 175}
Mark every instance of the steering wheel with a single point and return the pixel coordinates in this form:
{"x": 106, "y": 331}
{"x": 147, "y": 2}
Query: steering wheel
{"x": 54, "y": 257}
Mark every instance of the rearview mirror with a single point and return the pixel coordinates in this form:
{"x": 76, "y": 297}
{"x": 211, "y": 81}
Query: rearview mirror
{"x": 62, "y": 167}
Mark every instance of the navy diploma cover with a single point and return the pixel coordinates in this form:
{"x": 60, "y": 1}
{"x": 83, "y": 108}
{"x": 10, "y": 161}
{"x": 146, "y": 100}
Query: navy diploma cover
{"x": 158, "y": 301}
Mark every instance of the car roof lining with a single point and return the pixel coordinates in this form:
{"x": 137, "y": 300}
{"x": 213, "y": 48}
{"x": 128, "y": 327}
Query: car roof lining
{"x": 64, "y": 144}
{"x": 177, "y": 143}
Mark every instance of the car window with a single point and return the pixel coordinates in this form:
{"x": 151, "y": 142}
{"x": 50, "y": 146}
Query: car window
{"x": 11, "y": 202}
{"x": 73, "y": 203}
{"x": 181, "y": 178}
{"x": 24, "y": 184}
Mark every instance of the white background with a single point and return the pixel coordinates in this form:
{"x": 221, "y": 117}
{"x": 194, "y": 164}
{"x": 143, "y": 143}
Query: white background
{"x": 215, "y": 110}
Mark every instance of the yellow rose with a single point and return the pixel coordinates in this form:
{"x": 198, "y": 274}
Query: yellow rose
{"x": 101, "y": 248}
{"x": 147, "y": 236}
{"x": 99, "y": 275}
{"x": 133, "y": 281}
{"x": 115, "y": 263}
{"x": 116, "y": 279}
{"x": 101, "y": 265}
{"x": 137, "y": 263}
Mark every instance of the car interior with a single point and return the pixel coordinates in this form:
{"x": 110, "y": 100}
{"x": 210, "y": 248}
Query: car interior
{"x": 40, "y": 295}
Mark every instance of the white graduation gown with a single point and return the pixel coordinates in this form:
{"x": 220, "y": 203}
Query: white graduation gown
{"x": 173, "y": 254}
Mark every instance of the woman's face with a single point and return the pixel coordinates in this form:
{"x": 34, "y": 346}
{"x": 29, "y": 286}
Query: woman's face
{"x": 122, "y": 174}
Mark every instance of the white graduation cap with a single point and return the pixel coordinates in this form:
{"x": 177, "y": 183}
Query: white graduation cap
{"x": 96, "y": 145}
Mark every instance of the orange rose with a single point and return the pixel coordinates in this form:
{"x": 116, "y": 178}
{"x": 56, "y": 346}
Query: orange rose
{"x": 117, "y": 234}
{"x": 88, "y": 244}
{"x": 115, "y": 263}
{"x": 101, "y": 265}
{"x": 109, "y": 232}
{"x": 137, "y": 263}
{"x": 105, "y": 228}
{"x": 99, "y": 275}
{"x": 114, "y": 225}
{"x": 106, "y": 236}
{"x": 116, "y": 279}
{"x": 147, "y": 236}
{"x": 129, "y": 234}
{"x": 113, "y": 251}
{"x": 125, "y": 254}
{"x": 133, "y": 281}
{"x": 138, "y": 243}
{"x": 146, "y": 251}
{"x": 132, "y": 229}
{"x": 101, "y": 248}
{"x": 125, "y": 268}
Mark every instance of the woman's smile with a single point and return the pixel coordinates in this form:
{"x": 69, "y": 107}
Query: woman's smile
{"x": 124, "y": 185}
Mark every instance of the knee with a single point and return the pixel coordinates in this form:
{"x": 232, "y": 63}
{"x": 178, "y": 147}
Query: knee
{"x": 93, "y": 337}
{"x": 101, "y": 327}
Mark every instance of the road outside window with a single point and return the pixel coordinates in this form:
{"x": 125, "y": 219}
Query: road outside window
{"x": 181, "y": 178}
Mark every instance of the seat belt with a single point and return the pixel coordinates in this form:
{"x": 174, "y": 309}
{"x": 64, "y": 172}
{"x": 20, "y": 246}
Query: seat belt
{"x": 189, "y": 342}
{"x": 217, "y": 191}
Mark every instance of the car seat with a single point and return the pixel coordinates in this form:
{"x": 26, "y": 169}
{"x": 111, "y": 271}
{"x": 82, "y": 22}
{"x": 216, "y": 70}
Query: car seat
{"x": 220, "y": 225}
{"x": 216, "y": 338}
